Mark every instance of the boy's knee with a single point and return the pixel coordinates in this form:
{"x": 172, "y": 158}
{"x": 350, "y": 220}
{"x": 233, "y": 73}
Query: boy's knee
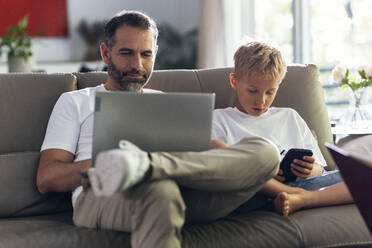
{"x": 269, "y": 158}
{"x": 265, "y": 155}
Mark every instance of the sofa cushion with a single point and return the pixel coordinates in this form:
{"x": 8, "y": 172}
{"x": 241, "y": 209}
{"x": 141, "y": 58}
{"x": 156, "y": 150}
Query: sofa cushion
{"x": 19, "y": 195}
{"x": 166, "y": 80}
{"x": 56, "y": 231}
{"x": 302, "y": 91}
{"x": 175, "y": 81}
{"x": 217, "y": 81}
{"x": 26, "y": 101}
{"x": 334, "y": 226}
{"x": 339, "y": 226}
{"x": 90, "y": 79}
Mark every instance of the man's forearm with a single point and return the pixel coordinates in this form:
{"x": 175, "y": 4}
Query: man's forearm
{"x": 60, "y": 176}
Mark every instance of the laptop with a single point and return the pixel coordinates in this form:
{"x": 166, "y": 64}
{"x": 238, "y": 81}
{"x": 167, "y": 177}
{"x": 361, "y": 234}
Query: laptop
{"x": 168, "y": 122}
{"x": 356, "y": 169}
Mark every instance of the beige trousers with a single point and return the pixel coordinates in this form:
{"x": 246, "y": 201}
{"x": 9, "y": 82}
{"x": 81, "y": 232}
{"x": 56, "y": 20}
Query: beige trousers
{"x": 191, "y": 186}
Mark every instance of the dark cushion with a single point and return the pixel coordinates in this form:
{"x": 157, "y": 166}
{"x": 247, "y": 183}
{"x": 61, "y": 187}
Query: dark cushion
{"x": 19, "y": 195}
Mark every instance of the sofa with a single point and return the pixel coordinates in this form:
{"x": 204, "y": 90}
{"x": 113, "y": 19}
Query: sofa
{"x": 29, "y": 219}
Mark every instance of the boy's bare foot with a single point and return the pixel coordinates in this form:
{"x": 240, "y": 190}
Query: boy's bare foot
{"x": 286, "y": 204}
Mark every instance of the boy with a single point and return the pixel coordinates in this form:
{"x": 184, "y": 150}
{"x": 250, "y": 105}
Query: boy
{"x": 259, "y": 70}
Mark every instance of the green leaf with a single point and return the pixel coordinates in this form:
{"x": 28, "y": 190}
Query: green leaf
{"x": 16, "y": 40}
{"x": 22, "y": 24}
{"x": 363, "y": 74}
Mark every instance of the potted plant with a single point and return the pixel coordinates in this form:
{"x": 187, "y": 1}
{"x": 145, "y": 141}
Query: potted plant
{"x": 17, "y": 44}
{"x": 358, "y": 83}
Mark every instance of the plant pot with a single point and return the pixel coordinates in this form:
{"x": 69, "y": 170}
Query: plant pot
{"x": 20, "y": 64}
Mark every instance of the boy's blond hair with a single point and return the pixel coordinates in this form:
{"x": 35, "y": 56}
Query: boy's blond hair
{"x": 256, "y": 58}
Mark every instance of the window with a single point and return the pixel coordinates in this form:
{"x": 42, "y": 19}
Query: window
{"x": 274, "y": 21}
{"x": 341, "y": 33}
{"x": 324, "y": 33}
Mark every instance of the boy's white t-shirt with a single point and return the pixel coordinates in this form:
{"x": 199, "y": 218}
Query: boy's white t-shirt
{"x": 283, "y": 126}
{"x": 70, "y": 125}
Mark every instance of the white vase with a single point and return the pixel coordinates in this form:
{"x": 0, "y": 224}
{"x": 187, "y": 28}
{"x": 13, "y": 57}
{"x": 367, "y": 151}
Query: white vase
{"x": 357, "y": 115}
{"x": 20, "y": 64}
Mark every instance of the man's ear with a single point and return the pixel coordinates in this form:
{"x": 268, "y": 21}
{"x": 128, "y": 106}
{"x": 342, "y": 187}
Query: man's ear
{"x": 233, "y": 80}
{"x": 105, "y": 51}
{"x": 155, "y": 51}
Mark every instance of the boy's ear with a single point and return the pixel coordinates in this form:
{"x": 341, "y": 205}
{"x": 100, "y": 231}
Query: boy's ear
{"x": 233, "y": 80}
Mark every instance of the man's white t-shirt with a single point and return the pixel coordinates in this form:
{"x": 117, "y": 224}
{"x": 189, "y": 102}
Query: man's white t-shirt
{"x": 283, "y": 126}
{"x": 70, "y": 125}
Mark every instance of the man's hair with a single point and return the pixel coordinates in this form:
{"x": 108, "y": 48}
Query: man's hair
{"x": 261, "y": 59}
{"x": 134, "y": 19}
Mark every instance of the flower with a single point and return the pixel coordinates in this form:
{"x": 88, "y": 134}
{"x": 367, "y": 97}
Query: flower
{"x": 341, "y": 75}
{"x": 338, "y": 73}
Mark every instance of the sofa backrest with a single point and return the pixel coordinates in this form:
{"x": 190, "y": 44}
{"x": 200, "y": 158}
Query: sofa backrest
{"x": 300, "y": 90}
{"x": 26, "y": 101}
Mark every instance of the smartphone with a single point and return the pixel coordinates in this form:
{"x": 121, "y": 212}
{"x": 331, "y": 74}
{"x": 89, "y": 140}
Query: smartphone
{"x": 285, "y": 164}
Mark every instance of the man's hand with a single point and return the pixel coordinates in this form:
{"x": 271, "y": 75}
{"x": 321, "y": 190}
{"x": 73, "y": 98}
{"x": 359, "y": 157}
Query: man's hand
{"x": 85, "y": 165}
{"x": 218, "y": 144}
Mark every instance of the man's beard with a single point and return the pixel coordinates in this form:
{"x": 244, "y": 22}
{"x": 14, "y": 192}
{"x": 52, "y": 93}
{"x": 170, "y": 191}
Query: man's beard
{"x": 119, "y": 77}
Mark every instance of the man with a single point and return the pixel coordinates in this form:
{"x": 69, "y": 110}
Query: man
{"x": 209, "y": 184}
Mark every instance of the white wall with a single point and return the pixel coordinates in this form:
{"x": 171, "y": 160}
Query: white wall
{"x": 182, "y": 14}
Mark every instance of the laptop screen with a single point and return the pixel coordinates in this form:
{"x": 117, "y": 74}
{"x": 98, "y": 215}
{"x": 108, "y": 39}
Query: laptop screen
{"x": 167, "y": 122}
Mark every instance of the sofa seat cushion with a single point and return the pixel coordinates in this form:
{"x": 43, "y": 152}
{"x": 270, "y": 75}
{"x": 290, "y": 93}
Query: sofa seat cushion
{"x": 338, "y": 226}
{"x": 255, "y": 229}
{"x": 247, "y": 230}
{"x": 56, "y": 231}
{"x": 19, "y": 195}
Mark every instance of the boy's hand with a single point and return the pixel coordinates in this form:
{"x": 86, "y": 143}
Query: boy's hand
{"x": 306, "y": 167}
{"x": 302, "y": 168}
{"x": 280, "y": 177}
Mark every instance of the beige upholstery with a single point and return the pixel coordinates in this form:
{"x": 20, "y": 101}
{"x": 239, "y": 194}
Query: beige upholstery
{"x": 25, "y": 115}
{"x": 18, "y": 177}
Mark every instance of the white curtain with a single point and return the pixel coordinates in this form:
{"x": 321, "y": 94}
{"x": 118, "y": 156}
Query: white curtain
{"x": 221, "y": 30}
{"x": 212, "y": 42}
